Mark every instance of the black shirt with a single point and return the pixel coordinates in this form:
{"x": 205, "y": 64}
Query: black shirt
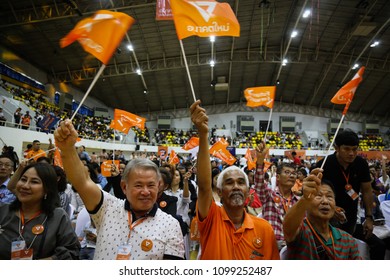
{"x": 358, "y": 173}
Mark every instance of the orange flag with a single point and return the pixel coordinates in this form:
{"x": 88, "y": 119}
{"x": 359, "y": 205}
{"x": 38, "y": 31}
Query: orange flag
{"x": 260, "y": 96}
{"x": 249, "y": 160}
{"x": 101, "y": 34}
{"x": 106, "y": 167}
{"x": 173, "y": 158}
{"x": 346, "y": 93}
{"x": 219, "y": 150}
{"x": 192, "y": 143}
{"x": 57, "y": 158}
{"x": 204, "y": 19}
{"x": 267, "y": 164}
{"x": 123, "y": 121}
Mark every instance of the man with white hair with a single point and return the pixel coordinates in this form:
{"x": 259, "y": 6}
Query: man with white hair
{"x": 227, "y": 232}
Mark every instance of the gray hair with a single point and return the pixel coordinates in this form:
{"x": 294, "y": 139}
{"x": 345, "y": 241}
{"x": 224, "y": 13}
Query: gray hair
{"x": 140, "y": 163}
{"x": 230, "y": 169}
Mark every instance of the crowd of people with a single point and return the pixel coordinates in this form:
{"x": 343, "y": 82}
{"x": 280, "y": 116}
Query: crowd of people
{"x": 201, "y": 208}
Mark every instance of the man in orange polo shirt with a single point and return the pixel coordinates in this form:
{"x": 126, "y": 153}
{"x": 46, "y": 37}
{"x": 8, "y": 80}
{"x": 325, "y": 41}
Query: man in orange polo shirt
{"x": 227, "y": 232}
{"x": 36, "y": 152}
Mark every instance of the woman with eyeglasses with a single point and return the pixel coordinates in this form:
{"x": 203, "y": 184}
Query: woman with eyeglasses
{"x": 34, "y": 226}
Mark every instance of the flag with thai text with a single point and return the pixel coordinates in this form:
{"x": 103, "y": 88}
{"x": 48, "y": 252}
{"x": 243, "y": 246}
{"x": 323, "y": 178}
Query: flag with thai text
{"x": 250, "y": 162}
{"x": 192, "y": 143}
{"x": 260, "y": 96}
{"x": 219, "y": 150}
{"x": 173, "y": 158}
{"x": 100, "y": 34}
{"x": 124, "y": 120}
{"x": 107, "y": 167}
{"x": 346, "y": 93}
{"x": 204, "y": 19}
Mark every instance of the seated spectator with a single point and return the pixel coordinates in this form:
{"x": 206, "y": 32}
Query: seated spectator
{"x": 38, "y": 215}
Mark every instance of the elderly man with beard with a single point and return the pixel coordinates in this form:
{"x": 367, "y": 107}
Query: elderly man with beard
{"x": 227, "y": 232}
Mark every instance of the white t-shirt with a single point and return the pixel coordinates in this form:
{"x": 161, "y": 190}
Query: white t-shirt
{"x": 112, "y": 226}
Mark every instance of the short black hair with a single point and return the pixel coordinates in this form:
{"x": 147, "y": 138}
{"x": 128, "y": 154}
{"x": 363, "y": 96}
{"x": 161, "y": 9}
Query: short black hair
{"x": 285, "y": 164}
{"x": 347, "y": 137}
{"x": 330, "y": 184}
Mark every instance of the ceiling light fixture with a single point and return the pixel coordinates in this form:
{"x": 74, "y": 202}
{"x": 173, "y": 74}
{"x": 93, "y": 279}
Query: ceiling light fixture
{"x": 294, "y": 34}
{"x": 139, "y": 72}
{"x": 306, "y": 13}
{"x": 355, "y": 66}
{"x": 212, "y": 63}
{"x": 373, "y": 45}
{"x": 284, "y": 63}
{"x": 130, "y": 47}
{"x": 212, "y": 38}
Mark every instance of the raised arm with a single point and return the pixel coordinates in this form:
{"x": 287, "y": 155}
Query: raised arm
{"x": 205, "y": 196}
{"x": 65, "y": 137}
{"x": 294, "y": 216}
{"x": 260, "y": 187}
{"x": 16, "y": 176}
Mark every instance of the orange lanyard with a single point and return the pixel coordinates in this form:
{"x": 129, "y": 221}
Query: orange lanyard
{"x": 287, "y": 205}
{"x": 131, "y": 224}
{"x": 327, "y": 249}
{"x": 22, "y": 219}
{"x": 345, "y": 176}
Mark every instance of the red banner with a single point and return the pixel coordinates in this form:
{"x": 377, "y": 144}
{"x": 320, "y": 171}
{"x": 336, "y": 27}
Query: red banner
{"x": 163, "y": 10}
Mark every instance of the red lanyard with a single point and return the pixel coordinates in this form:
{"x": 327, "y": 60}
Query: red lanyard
{"x": 22, "y": 219}
{"x": 345, "y": 176}
{"x": 327, "y": 249}
{"x": 131, "y": 224}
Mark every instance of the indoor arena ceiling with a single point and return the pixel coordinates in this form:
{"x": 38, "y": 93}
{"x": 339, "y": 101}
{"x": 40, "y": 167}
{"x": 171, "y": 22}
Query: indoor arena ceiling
{"x": 336, "y": 35}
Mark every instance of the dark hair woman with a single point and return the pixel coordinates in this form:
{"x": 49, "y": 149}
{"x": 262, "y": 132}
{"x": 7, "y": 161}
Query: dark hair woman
{"x": 34, "y": 227}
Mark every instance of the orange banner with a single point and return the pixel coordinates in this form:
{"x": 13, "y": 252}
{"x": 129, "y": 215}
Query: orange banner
{"x": 162, "y": 152}
{"x": 260, "y": 96}
{"x": 346, "y": 93}
{"x": 106, "y": 167}
{"x": 219, "y": 150}
{"x": 101, "y": 34}
{"x": 192, "y": 143}
{"x": 204, "y": 19}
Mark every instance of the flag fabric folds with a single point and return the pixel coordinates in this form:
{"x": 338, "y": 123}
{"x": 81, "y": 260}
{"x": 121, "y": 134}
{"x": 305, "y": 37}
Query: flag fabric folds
{"x": 192, "y": 143}
{"x": 346, "y": 93}
{"x": 219, "y": 150}
{"x": 123, "y": 121}
{"x": 173, "y": 158}
{"x": 250, "y": 162}
{"x": 101, "y": 34}
{"x": 260, "y": 96}
{"x": 204, "y": 19}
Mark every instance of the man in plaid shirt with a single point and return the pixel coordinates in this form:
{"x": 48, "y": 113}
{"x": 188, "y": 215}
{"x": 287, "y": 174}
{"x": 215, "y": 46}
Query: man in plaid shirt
{"x": 275, "y": 202}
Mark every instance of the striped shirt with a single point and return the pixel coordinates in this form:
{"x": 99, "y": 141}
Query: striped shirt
{"x": 304, "y": 246}
{"x": 273, "y": 203}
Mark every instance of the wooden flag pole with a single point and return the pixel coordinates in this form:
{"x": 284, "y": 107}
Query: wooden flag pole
{"x": 331, "y": 144}
{"x": 269, "y": 121}
{"x": 89, "y": 90}
{"x": 188, "y": 70}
